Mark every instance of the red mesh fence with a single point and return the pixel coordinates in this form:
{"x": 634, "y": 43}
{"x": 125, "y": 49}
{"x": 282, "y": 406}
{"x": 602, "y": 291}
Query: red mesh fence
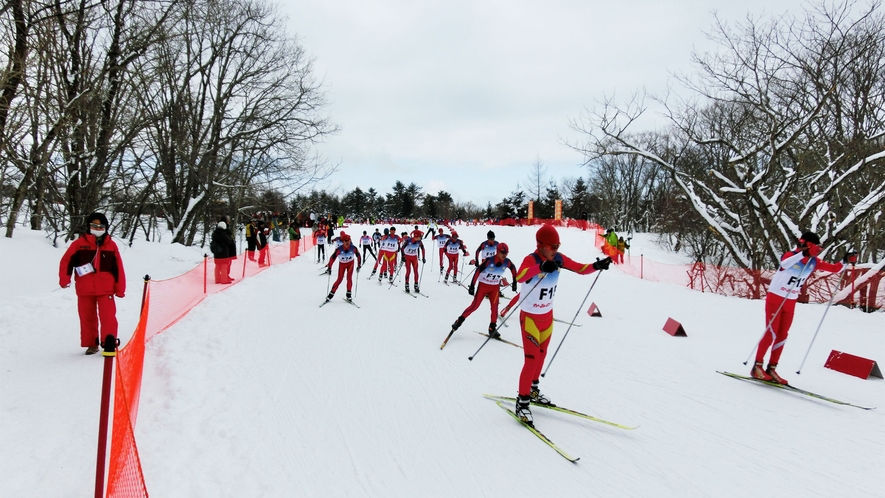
{"x": 125, "y": 477}
{"x": 166, "y": 302}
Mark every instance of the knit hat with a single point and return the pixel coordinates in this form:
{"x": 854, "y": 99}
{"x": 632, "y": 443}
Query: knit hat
{"x": 490, "y": 235}
{"x": 547, "y": 236}
{"x": 222, "y": 225}
{"x": 344, "y": 237}
{"x": 502, "y": 248}
{"x": 810, "y": 237}
{"x": 97, "y": 216}
{"x": 454, "y": 234}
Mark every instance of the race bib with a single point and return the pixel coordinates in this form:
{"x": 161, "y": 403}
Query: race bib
{"x": 84, "y": 270}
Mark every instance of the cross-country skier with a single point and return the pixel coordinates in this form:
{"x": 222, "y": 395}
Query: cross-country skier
{"x": 490, "y": 276}
{"x": 486, "y": 250}
{"x": 345, "y": 256}
{"x": 376, "y": 239}
{"x": 780, "y": 302}
{"x": 381, "y": 257}
{"x": 388, "y": 253}
{"x": 410, "y": 250}
{"x": 366, "y": 243}
{"x": 453, "y": 246}
{"x": 539, "y": 276}
{"x": 320, "y": 237}
{"x": 441, "y": 240}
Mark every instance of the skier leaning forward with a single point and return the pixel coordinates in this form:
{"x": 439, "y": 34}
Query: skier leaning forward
{"x": 453, "y": 246}
{"x": 490, "y": 276}
{"x": 410, "y": 256}
{"x": 539, "y": 275}
{"x": 345, "y": 256}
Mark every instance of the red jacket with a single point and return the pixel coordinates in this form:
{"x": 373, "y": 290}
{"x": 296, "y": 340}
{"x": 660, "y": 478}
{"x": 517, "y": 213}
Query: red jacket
{"x": 108, "y": 277}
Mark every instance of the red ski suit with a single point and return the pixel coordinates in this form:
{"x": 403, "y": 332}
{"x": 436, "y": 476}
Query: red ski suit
{"x": 780, "y": 302}
{"x": 409, "y": 252}
{"x": 95, "y": 289}
{"x": 453, "y": 246}
{"x": 486, "y": 276}
{"x": 345, "y": 256}
{"x": 536, "y": 311}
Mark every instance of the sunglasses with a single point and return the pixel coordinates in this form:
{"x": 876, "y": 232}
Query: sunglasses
{"x": 96, "y": 225}
{"x": 555, "y": 247}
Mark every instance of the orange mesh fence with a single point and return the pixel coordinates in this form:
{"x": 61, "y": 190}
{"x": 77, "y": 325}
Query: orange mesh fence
{"x": 165, "y": 302}
{"x": 125, "y": 477}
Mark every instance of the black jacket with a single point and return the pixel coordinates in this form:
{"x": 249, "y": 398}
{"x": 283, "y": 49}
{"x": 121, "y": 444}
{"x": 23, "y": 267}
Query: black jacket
{"x": 223, "y": 243}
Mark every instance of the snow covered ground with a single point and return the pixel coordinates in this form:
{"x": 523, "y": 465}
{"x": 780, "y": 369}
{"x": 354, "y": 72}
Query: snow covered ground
{"x": 258, "y": 392}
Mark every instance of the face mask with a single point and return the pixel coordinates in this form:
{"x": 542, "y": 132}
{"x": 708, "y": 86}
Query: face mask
{"x": 97, "y": 233}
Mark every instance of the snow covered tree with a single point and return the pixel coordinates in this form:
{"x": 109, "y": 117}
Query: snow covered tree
{"x": 784, "y": 132}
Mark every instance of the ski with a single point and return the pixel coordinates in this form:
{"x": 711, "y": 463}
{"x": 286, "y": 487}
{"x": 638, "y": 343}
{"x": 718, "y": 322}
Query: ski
{"x": 540, "y": 435}
{"x": 567, "y": 412}
{"x": 422, "y": 294}
{"x": 410, "y": 294}
{"x": 505, "y": 341}
{"x": 447, "y": 339}
{"x": 788, "y": 387}
{"x": 351, "y": 302}
{"x": 567, "y": 323}
{"x": 324, "y": 303}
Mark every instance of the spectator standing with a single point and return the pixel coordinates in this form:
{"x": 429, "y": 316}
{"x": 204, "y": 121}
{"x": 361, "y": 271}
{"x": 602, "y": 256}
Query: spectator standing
{"x": 95, "y": 262}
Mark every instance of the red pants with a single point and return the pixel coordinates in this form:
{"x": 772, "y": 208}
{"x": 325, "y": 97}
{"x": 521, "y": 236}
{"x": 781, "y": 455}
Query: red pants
{"x": 442, "y": 251}
{"x": 294, "y": 246}
{"x": 536, "y": 332}
{"x": 411, "y": 264}
{"x": 779, "y": 327}
{"x": 95, "y": 309}
{"x": 453, "y": 264}
{"x": 493, "y": 291}
{"x": 222, "y": 270}
{"x": 262, "y": 257}
{"x": 344, "y": 267}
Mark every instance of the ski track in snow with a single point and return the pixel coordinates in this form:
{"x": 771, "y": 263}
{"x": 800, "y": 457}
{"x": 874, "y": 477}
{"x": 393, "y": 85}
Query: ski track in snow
{"x": 258, "y": 392}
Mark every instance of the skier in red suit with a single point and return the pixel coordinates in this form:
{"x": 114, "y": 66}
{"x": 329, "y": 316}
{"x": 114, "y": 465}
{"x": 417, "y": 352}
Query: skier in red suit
{"x": 539, "y": 276}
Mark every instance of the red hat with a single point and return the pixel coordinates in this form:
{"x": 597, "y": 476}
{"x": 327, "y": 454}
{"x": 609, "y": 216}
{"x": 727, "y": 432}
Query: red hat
{"x": 454, "y": 233}
{"x": 502, "y": 248}
{"x": 344, "y": 237}
{"x": 547, "y": 235}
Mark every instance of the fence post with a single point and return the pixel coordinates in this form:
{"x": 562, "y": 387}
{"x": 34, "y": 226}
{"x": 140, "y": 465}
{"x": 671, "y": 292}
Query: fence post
{"x": 641, "y": 266}
{"x": 205, "y": 270}
{"x": 110, "y": 351}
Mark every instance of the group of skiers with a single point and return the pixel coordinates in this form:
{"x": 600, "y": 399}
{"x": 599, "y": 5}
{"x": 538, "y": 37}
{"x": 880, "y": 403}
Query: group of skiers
{"x": 94, "y": 261}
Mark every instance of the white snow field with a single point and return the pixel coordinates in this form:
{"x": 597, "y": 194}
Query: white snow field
{"x": 259, "y": 392}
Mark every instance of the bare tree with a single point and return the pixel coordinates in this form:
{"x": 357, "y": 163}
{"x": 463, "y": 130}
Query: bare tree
{"x": 757, "y": 151}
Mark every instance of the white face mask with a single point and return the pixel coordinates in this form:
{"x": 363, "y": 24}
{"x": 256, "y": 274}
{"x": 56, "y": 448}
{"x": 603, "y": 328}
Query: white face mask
{"x": 97, "y": 233}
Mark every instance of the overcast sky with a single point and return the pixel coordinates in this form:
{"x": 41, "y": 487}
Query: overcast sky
{"x": 465, "y": 96}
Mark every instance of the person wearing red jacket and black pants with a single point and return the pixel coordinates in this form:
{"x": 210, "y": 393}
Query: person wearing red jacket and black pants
{"x": 95, "y": 261}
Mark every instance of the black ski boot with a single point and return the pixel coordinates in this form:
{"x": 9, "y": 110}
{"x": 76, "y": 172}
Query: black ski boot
{"x": 348, "y": 297}
{"x": 407, "y": 288}
{"x": 538, "y": 398}
{"x": 458, "y": 323}
{"x": 330, "y": 296}
{"x": 493, "y": 331}
{"x": 417, "y": 290}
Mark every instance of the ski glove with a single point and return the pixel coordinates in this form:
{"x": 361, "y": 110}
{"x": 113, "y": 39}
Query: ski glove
{"x": 423, "y": 260}
{"x": 471, "y": 290}
{"x": 328, "y": 271}
{"x": 813, "y": 249}
{"x": 850, "y": 257}
{"x": 513, "y": 286}
{"x": 602, "y": 264}
{"x": 358, "y": 268}
{"x": 549, "y": 267}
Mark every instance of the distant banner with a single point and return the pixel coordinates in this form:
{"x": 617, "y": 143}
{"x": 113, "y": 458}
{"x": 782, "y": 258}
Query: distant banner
{"x": 558, "y": 214}
{"x": 531, "y": 209}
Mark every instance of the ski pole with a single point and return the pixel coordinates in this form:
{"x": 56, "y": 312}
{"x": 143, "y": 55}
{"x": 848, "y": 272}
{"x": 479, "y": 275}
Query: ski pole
{"x": 570, "y": 324}
{"x": 357, "y": 284}
{"x": 835, "y": 291}
{"x": 776, "y": 313}
{"x": 421, "y": 277}
{"x": 328, "y": 279}
{"x": 395, "y": 275}
{"x": 508, "y": 316}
